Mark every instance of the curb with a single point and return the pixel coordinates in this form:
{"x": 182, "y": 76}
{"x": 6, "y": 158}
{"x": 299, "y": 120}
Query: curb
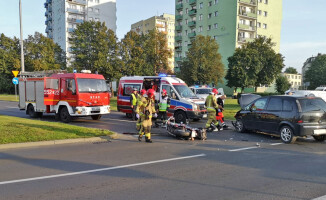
{"x": 57, "y": 142}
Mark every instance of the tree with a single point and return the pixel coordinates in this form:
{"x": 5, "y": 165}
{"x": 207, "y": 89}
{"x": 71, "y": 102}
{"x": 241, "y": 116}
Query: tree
{"x": 316, "y": 74}
{"x": 95, "y": 48}
{"x": 282, "y": 84}
{"x": 41, "y": 53}
{"x": 291, "y": 70}
{"x": 203, "y": 63}
{"x": 260, "y": 65}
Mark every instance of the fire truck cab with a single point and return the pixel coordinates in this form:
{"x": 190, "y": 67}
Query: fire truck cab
{"x": 184, "y": 103}
{"x": 65, "y": 94}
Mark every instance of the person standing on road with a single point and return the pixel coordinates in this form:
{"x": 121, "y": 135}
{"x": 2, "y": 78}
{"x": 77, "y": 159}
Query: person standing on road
{"x": 163, "y": 107}
{"x": 211, "y": 106}
{"x": 219, "y": 112}
{"x": 133, "y": 102}
{"x": 140, "y": 97}
{"x": 145, "y": 110}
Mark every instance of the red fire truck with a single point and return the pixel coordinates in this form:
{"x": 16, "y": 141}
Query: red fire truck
{"x": 65, "y": 94}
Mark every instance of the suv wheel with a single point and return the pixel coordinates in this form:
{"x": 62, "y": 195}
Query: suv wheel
{"x": 287, "y": 136}
{"x": 239, "y": 126}
{"x": 319, "y": 138}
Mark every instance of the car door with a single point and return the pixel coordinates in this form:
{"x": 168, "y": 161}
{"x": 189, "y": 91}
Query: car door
{"x": 271, "y": 116}
{"x": 255, "y": 114}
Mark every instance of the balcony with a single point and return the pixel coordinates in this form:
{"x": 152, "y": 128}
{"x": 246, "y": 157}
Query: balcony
{"x": 178, "y": 59}
{"x": 46, "y": 22}
{"x": 248, "y": 14}
{"x": 191, "y": 2}
{"x": 70, "y": 30}
{"x": 244, "y": 40}
{"x": 46, "y": 13}
{"x": 45, "y": 5}
{"x": 49, "y": 18}
{"x": 249, "y": 2}
{"x": 76, "y": 11}
{"x": 192, "y": 12}
{"x": 178, "y": 17}
{"x": 192, "y": 23}
{"x": 178, "y": 48}
{"x": 192, "y": 34}
{"x": 81, "y": 2}
{"x": 50, "y": 9}
{"x": 246, "y": 27}
{"x": 178, "y": 38}
{"x": 50, "y": 27}
{"x": 179, "y": 6}
{"x": 178, "y": 28}
{"x": 47, "y": 30}
{"x": 49, "y": 1}
{"x": 74, "y": 20}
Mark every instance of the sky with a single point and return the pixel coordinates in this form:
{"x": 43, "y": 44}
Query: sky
{"x": 303, "y": 27}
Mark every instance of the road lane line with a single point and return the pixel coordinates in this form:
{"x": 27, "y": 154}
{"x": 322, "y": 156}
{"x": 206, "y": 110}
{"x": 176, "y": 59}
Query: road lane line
{"x": 99, "y": 170}
{"x": 274, "y": 144}
{"x": 320, "y": 198}
{"x": 242, "y": 149}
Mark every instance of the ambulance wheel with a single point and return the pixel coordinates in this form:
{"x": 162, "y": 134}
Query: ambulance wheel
{"x": 31, "y": 111}
{"x": 180, "y": 116}
{"x": 64, "y": 115}
{"x": 96, "y": 117}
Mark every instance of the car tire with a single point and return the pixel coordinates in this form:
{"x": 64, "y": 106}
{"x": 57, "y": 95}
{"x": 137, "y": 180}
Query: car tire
{"x": 319, "y": 138}
{"x": 64, "y": 115}
{"x": 287, "y": 135}
{"x": 239, "y": 126}
{"x": 96, "y": 117}
{"x": 180, "y": 116}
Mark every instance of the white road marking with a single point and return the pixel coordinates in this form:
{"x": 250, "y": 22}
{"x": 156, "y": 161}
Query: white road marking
{"x": 99, "y": 170}
{"x": 243, "y": 149}
{"x": 274, "y": 144}
{"x": 320, "y": 198}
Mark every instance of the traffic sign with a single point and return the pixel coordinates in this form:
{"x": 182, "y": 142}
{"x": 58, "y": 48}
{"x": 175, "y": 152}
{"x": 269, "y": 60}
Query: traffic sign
{"x": 15, "y": 81}
{"x": 15, "y": 73}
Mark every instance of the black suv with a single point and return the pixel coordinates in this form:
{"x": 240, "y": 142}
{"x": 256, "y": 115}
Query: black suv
{"x": 288, "y": 116}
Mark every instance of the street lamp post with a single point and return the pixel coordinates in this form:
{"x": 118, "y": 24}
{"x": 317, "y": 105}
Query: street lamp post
{"x": 21, "y": 39}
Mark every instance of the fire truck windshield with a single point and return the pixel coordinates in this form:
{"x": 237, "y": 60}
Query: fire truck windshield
{"x": 86, "y": 85}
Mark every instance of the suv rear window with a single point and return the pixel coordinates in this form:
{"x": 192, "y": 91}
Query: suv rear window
{"x": 309, "y": 105}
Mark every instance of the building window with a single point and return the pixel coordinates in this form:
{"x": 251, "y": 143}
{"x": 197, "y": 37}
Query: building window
{"x": 266, "y": 1}
{"x": 201, "y": 5}
{"x": 200, "y": 17}
{"x": 216, "y": 26}
{"x": 187, "y": 10}
{"x": 210, "y": 3}
{"x": 90, "y": 9}
{"x": 90, "y": 19}
{"x": 215, "y": 1}
{"x": 97, "y": 10}
{"x": 265, "y": 26}
{"x": 260, "y": 1}
{"x": 97, "y": 1}
{"x": 200, "y": 29}
{"x": 215, "y": 37}
{"x": 186, "y": 21}
{"x": 97, "y": 19}
{"x": 209, "y": 27}
{"x": 209, "y": 15}
{"x": 258, "y": 24}
{"x": 265, "y": 13}
{"x": 259, "y": 12}
{"x": 215, "y": 13}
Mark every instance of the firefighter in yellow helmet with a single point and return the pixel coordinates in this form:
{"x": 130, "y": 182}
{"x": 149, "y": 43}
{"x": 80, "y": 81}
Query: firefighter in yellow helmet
{"x": 211, "y": 106}
{"x": 138, "y": 124}
{"x": 145, "y": 110}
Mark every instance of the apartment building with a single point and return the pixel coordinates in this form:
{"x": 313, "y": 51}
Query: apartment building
{"x": 164, "y": 23}
{"x": 63, "y": 16}
{"x": 294, "y": 79}
{"x": 230, "y": 22}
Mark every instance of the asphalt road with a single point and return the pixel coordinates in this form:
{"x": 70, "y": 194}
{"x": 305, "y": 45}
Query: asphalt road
{"x": 228, "y": 165}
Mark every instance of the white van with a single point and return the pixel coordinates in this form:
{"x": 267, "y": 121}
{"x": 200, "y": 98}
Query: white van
{"x": 204, "y": 91}
{"x": 184, "y": 103}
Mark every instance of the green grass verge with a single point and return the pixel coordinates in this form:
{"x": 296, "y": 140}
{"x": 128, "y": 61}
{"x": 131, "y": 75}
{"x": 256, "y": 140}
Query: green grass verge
{"x": 18, "y": 130}
{"x": 113, "y": 103}
{"x": 8, "y": 97}
{"x": 231, "y": 106}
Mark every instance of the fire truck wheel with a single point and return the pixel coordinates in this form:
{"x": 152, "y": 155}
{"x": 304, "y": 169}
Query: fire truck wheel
{"x": 64, "y": 115}
{"x": 96, "y": 117}
{"x": 31, "y": 111}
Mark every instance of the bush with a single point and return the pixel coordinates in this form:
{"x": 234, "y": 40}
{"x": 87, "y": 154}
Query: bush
{"x": 6, "y": 85}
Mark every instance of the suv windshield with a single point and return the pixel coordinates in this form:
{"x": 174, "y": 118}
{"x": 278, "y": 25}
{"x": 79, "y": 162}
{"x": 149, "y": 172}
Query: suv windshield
{"x": 308, "y": 105}
{"x": 91, "y": 85}
{"x": 184, "y": 91}
{"x": 203, "y": 91}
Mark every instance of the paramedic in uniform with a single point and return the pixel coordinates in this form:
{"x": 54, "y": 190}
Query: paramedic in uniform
{"x": 211, "y": 106}
{"x": 163, "y": 107}
{"x": 145, "y": 110}
{"x": 133, "y": 102}
{"x": 142, "y": 93}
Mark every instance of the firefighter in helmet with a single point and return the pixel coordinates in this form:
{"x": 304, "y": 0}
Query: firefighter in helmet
{"x": 142, "y": 93}
{"x": 145, "y": 110}
{"x": 211, "y": 106}
{"x": 163, "y": 107}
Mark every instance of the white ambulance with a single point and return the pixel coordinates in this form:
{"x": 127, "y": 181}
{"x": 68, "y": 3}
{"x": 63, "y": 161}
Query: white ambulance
{"x": 184, "y": 103}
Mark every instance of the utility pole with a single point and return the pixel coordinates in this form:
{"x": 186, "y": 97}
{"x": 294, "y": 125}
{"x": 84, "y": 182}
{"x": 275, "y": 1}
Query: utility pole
{"x": 22, "y": 64}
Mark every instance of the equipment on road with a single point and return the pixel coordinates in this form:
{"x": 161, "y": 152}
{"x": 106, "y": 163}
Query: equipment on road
{"x": 65, "y": 94}
{"x": 183, "y": 131}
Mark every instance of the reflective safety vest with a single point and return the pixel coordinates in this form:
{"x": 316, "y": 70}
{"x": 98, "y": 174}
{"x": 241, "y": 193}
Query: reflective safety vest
{"x": 164, "y": 104}
{"x": 210, "y": 103}
{"x": 133, "y": 99}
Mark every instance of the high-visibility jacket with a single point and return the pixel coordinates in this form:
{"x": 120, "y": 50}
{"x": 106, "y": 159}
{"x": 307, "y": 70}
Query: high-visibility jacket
{"x": 211, "y": 103}
{"x": 133, "y": 99}
{"x": 164, "y": 104}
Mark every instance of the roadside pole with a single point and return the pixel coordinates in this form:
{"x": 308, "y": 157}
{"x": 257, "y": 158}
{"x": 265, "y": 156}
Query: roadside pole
{"x": 21, "y": 39}
{"x": 15, "y": 81}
